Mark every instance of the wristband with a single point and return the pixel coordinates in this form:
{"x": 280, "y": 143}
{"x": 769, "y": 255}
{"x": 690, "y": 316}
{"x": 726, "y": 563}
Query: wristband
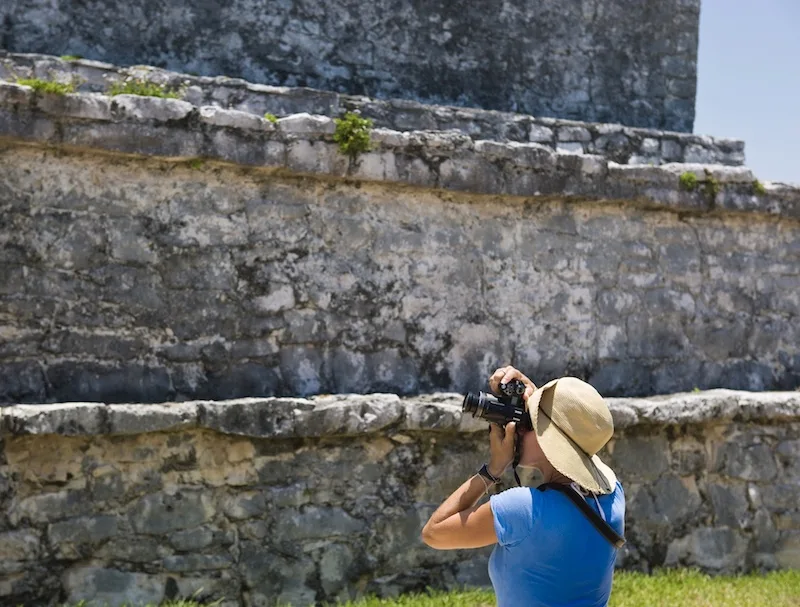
{"x": 484, "y": 472}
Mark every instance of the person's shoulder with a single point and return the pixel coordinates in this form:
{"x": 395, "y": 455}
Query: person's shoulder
{"x": 513, "y": 513}
{"x": 515, "y": 495}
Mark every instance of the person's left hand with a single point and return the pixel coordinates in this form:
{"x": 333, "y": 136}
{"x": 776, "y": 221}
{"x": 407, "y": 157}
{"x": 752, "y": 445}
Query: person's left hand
{"x": 501, "y": 447}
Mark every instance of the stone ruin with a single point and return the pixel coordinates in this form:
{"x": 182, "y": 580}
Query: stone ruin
{"x": 225, "y": 343}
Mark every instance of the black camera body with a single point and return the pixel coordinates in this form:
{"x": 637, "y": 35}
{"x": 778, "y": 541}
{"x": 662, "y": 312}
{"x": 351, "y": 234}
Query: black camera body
{"x": 508, "y": 407}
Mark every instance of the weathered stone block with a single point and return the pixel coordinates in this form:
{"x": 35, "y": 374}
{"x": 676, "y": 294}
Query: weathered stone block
{"x": 318, "y": 522}
{"x": 748, "y": 462}
{"x": 67, "y": 537}
{"x": 197, "y": 562}
{"x": 150, "y": 108}
{"x": 730, "y": 505}
{"x": 236, "y": 119}
{"x": 306, "y": 124}
{"x": 787, "y": 553}
{"x": 135, "y": 419}
{"x": 191, "y": 540}
{"x": 112, "y": 587}
{"x": 244, "y": 505}
{"x": 20, "y": 545}
{"x": 164, "y": 512}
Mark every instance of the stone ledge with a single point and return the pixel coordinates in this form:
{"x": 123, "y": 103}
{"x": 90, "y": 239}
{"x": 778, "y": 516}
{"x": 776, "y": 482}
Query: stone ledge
{"x": 303, "y": 144}
{"x": 625, "y": 145}
{"x": 352, "y": 414}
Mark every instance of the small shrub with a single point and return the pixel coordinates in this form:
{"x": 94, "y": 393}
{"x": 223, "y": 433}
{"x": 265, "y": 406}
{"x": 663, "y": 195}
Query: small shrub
{"x": 352, "y": 134}
{"x": 49, "y": 86}
{"x": 711, "y": 185}
{"x": 271, "y": 117}
{"x": 143, "y": 88}
{"x": 758, "y": 188}
{"x": 196, "y": 164}
{"x": 688, "y": 181}
{"x": 71, "y": 57}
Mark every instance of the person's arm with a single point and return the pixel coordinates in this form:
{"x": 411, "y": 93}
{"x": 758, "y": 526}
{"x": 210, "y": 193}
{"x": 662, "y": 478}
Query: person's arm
{"x": 457, "y": 523}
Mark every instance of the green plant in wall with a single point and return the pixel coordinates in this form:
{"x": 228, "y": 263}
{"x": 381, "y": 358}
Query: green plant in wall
{"x": 52, "y": 85}
{"x": 71, "y": 57}
{"x": 143, "y": 88}
{"x": 353, "y": 134}
{"x": 758, "y": 188}
{"x": 271, "y": 118}
{"x": 711, "y": 186}
{"x": 688, "y": 181}
{"x": 48, "y": 86}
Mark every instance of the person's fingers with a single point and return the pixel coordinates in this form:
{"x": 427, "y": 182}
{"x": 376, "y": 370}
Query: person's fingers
{"x": 510, "y": 436}
{"x": 496, "y": 378}
{"x": 512, "y": 373}
{"x": 495, "y": 435}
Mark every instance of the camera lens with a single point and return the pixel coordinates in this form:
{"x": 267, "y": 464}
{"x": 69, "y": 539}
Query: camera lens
{"x": 471, "y": 403}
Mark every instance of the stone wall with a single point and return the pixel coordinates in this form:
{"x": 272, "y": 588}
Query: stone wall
{"x": 625, "y": 145}
{"x": 597, "y": 60}
{"x": 297, "y": 500}
{"x": 154, "y": 250}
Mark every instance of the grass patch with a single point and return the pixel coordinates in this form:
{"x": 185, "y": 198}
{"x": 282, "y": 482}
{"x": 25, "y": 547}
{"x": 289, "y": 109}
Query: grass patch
{"x": 271, "y": 117}
{"x": 758, "y": 188}
{"x": 71, "y": 57}
{"x": 143, "y": 88}
{"x": 666, "y": 588}
{"x": 48, "y": 86}
{"x": 689, "y": 588}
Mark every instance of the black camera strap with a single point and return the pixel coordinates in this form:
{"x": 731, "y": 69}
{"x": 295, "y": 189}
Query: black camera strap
{"x": 602, "y": 526}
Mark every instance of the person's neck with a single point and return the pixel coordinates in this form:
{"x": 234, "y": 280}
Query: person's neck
{"x": 549, "y": 473}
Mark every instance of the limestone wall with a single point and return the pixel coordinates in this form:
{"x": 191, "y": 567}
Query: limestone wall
{"x": 625, "y": 145}
{"x": 605, "y": 61}
{"x": 300, "y": 500}
{"x": 143, "y": 260}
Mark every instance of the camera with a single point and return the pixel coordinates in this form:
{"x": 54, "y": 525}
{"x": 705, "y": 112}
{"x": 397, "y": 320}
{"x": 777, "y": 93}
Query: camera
{"x": 508, "y": 407}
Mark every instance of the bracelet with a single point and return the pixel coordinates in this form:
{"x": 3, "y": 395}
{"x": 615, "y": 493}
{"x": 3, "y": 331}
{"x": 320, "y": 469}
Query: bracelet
{"x": 484, "y": 472}
{"x": 486, "y": 484}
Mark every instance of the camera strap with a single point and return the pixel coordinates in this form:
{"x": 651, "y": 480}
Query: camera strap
{"x": 576, "y": 498}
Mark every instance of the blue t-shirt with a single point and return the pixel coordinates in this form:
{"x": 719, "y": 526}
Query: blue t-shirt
{"x": 548, "y": 553}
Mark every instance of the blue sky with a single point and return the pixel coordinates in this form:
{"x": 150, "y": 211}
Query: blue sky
{"x": 748, "y": 83}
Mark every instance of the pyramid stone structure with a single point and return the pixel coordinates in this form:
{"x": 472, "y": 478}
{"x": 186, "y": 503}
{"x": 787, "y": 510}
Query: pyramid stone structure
{"x": 612, "y": 61}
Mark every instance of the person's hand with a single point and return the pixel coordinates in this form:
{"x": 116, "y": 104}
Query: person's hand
{"x": 501, "y": 447}
{"x": 503, "y": 375}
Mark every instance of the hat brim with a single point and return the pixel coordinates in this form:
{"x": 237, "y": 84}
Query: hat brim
{"x": 565, "y": 456}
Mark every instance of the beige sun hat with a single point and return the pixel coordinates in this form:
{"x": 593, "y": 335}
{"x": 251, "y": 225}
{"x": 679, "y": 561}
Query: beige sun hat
{"x": 572, "y": 423}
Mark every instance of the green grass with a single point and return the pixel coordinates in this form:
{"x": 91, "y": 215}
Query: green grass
{"x": 143, "y": 88}
{"x": 48, "y": 86}
{"x": 668, "y": 588}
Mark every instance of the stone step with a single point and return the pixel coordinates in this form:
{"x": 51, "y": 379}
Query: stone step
{"x": 620, "y": 144}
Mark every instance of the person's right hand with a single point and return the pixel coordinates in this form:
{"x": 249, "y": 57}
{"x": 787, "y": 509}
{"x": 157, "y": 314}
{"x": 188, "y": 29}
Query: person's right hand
{"x": 503, "y": 375}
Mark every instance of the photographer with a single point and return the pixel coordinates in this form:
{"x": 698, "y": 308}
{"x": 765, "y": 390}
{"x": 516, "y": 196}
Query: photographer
{"x": 552, "y": 547}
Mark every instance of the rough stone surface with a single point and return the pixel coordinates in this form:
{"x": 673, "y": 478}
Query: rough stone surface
{"x": 234, "y": 103}
{"x": 255, "y": 511}
{"x": 610, "y": 61}
{"x": 156, "y": 280}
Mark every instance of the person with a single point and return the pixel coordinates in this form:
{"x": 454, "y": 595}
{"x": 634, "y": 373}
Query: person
{"x": 547, "y": 552}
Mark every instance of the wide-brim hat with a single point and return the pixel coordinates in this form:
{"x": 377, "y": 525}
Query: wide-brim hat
{"x": 572, "y": 423}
